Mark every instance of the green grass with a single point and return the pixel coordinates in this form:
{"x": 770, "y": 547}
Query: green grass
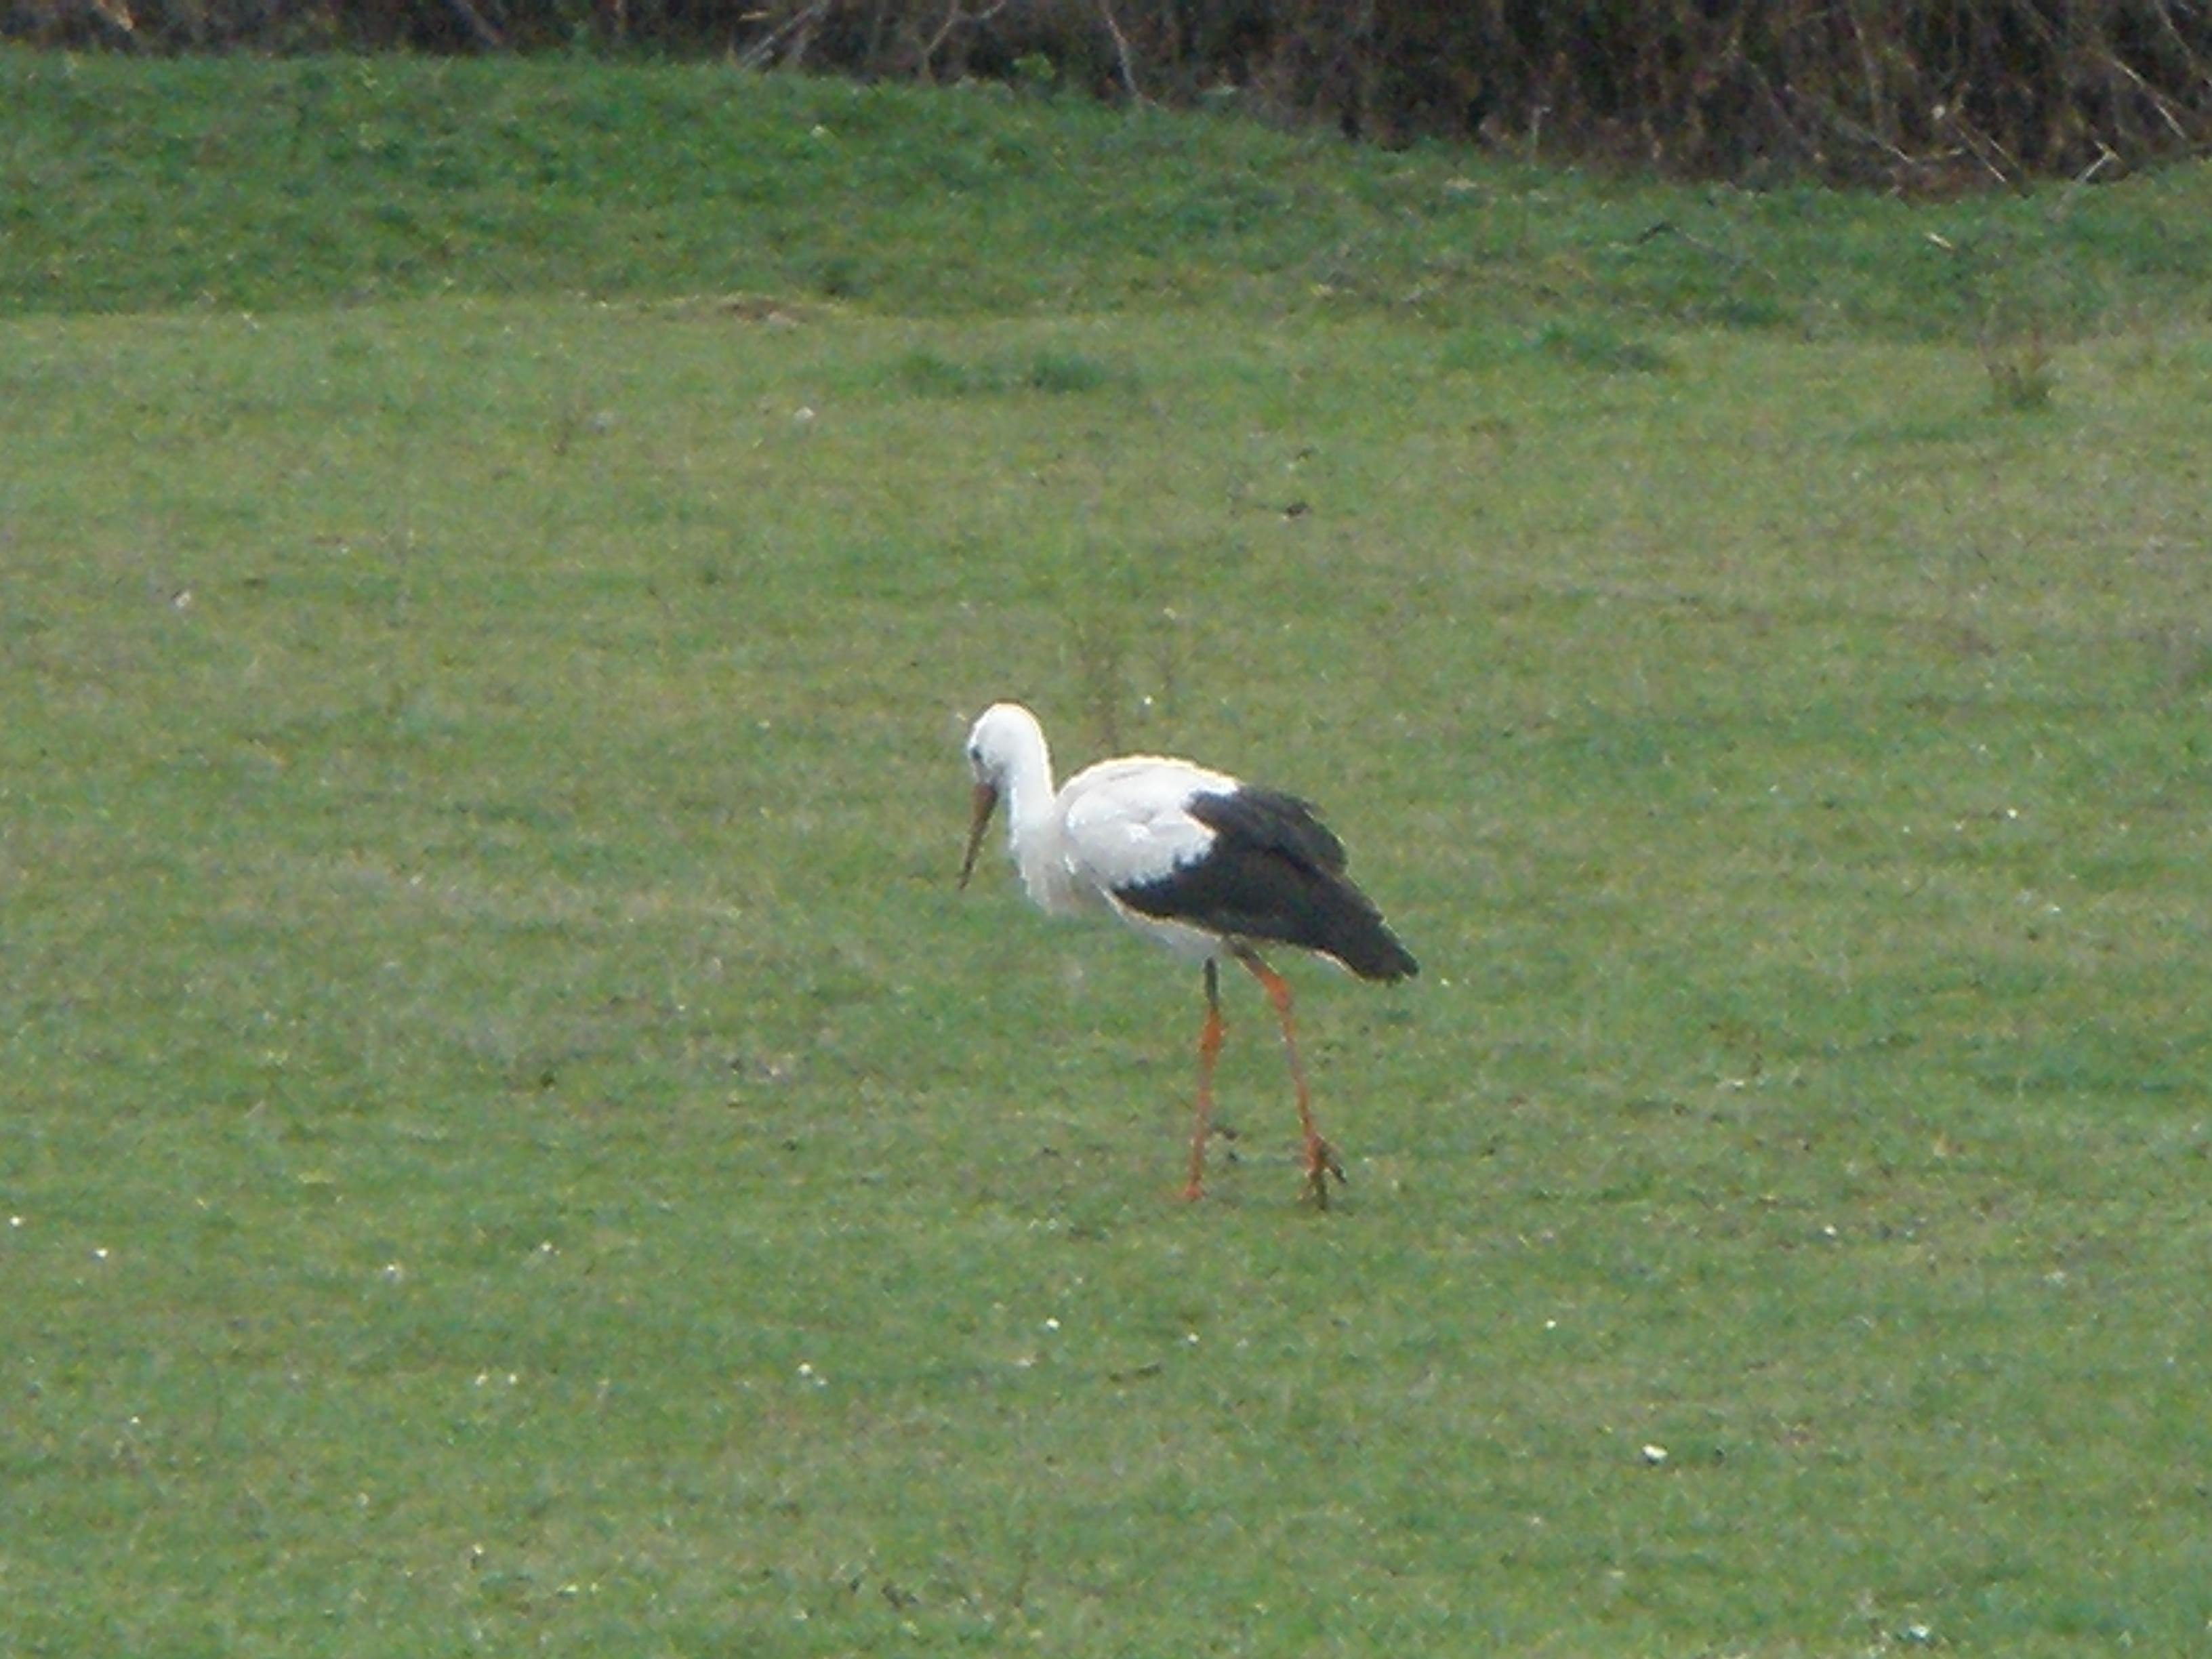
{"x": 511, "y": 1140}
{"x": 315, "y": 181}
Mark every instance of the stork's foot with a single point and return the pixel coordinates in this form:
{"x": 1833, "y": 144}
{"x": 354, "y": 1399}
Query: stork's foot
{"x": 1191, "y": 1191}
{"x": 1321, "y": 1163}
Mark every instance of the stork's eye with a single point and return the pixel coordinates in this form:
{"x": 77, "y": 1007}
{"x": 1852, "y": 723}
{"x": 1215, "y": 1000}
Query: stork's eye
{"x": 976, "y": 754}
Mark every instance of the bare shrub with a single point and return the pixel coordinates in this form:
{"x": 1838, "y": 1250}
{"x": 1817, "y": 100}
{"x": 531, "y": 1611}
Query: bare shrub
{"x": 1923, "y": 96}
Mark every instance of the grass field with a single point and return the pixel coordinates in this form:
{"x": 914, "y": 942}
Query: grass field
{"x": 509, "y": 1139}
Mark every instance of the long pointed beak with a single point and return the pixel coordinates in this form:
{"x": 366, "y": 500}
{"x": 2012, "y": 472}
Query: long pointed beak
{"x": 986, "y": 801}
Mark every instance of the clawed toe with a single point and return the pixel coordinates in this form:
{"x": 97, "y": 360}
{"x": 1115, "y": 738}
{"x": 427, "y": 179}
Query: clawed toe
{"x": 1321, "y": 1162}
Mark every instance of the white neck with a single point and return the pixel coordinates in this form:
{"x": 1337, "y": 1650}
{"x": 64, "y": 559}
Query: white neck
{"x": 1030, "y": 826}
{"x": 1010, "y": 744}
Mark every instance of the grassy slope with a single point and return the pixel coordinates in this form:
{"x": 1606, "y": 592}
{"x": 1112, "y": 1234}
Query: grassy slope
{"x": 298, "y": 183}
{"x": 510, "y": 1139}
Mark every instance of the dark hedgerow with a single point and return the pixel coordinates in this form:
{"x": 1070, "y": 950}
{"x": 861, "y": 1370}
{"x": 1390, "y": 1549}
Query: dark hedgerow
{"x": 1920, "y": 95}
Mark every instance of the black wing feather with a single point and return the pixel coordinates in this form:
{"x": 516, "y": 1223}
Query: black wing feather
{"x": 1272, "y": 822}
{"x": 1276, "y": 872}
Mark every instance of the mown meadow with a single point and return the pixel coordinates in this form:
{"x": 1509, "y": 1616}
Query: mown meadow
{"x": 510, "y": 1140}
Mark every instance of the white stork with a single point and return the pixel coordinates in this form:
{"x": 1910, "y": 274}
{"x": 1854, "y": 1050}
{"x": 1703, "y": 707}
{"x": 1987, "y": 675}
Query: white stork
{"x": 1209, "y": 866}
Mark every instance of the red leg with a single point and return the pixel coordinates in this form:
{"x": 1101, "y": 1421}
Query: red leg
{"x": 1209, "y": 1045}
{"x": 1320, "y": 1156}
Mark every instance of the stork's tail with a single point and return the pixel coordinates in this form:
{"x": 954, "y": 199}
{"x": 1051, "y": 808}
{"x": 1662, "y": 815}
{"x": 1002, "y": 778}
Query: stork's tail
{"x": 1353, "y": 932}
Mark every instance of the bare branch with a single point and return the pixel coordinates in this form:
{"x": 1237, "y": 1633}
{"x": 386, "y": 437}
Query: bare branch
{"x": 954, "y": 17}
{"x": 1120, "y": 52}
{"x": 2150, "y": 93}
{"x": 764, "y": 51}
{"x": 478, "y": 25}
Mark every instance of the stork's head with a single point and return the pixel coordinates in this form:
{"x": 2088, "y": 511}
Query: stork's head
{"x": 1004, "y": 738}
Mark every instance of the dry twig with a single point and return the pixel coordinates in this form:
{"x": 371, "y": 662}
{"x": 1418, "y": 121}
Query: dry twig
{"x": 800, "y": 23}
